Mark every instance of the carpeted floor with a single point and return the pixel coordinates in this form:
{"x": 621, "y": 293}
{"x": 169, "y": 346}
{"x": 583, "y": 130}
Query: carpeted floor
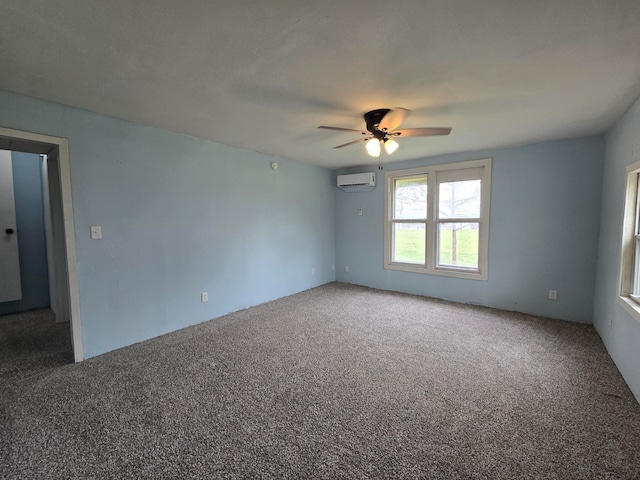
{"x": 336, "y": 382}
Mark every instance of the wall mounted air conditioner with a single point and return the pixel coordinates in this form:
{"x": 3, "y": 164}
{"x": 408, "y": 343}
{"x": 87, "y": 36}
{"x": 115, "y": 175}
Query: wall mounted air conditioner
{"x": 357, "y": 182}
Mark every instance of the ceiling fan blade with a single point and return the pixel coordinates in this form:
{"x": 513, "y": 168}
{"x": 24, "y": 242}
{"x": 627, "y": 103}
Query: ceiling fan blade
{"x": 421, "y": 132}
{"x": 360, "y": 140}
{"x": 393, "y": 119}
{"x": 340, "y": 129}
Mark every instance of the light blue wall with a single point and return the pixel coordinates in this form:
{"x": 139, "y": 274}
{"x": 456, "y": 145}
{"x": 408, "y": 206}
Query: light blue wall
{"x": 622, "y": 339}
{"x": 180, "y": 216}
{"x": 543, "y": 234}
{"x": 27, "y": 186}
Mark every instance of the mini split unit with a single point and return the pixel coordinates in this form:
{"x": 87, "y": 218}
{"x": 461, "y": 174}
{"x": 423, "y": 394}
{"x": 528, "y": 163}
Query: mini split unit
{"x": 357, "y": 182}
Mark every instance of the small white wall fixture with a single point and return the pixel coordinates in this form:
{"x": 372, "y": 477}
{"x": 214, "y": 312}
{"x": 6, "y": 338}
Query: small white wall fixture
{"x": 57, "y": 148}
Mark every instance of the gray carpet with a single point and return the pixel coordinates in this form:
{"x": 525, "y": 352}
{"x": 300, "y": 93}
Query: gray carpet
{"x": 336, "y": 382}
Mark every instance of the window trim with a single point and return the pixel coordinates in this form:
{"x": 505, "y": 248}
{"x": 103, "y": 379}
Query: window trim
{"x": 438, "y": 174}
{"x": 630, "y": 225}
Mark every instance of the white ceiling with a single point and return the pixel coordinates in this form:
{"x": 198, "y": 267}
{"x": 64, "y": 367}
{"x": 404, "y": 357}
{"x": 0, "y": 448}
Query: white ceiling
{"x": 263, "y": 75}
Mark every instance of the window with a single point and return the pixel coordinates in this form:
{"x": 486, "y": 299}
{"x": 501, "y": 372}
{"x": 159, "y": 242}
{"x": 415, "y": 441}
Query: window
{"x": 437, "y": 219}
{"x": 629, "y": 294}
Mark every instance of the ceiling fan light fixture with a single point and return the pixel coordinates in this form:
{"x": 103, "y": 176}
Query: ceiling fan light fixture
{"x": 390, "y": 146}
{"x": 373, "y": 147}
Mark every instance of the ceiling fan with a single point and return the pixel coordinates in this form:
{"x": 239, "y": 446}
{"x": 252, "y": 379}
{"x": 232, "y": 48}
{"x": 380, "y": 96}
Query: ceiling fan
{"x": 381, "y": 128}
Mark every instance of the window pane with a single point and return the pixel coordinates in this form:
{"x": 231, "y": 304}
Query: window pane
{"x": 635, "y": 289}
{"x": 458, "y": 245}
{"x": 408, "y": 243}
{"x": 410, "y": 198}
{"x": 459, "y": 199}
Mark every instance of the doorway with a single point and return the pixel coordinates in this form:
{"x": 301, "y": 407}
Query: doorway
{"x": 24, "y": 282}
{"x": 64, "y": 296}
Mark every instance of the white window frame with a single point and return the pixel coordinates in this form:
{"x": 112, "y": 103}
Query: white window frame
{"x": 629, "y": 270}
{"x": 474, "y": 169}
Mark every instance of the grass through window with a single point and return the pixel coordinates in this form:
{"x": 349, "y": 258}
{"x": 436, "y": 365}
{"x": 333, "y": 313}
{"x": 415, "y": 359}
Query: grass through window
{"x": 410, "y": 247}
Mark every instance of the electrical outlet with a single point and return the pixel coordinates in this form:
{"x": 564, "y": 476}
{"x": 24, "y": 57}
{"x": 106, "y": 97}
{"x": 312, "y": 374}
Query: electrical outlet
{"x": 96, "y": 233}
{"x": 360, "y": 211}
{"x": 204, "y": 297}
{"x": 553, "y": 294}
{"x": 346, "y": 268}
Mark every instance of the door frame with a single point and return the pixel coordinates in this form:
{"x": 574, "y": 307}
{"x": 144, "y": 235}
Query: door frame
{"x": 21, "y": 141}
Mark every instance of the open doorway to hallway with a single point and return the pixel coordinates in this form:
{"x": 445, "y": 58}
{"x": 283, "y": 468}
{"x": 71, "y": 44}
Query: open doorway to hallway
{"x": 27, "y": 323}
{"x": 60, "y": 232}
{"x": 24, "y": 283}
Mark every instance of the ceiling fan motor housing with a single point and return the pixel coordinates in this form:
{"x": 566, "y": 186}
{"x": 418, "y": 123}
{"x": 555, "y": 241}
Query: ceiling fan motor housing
{"x": 374, "y": 117}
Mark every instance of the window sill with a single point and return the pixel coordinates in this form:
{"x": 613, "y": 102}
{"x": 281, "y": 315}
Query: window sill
{"x": 630, "y": 306}
{"x": 444, "y": 272}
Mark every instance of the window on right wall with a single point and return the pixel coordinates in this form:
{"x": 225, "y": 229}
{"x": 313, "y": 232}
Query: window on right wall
{"x": 629, "y": 292}
{"x": 437, "y": 219}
